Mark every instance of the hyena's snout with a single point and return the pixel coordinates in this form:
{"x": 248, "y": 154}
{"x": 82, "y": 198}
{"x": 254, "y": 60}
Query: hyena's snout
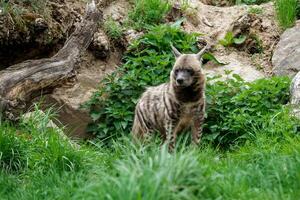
{"x": 183, "y": 78}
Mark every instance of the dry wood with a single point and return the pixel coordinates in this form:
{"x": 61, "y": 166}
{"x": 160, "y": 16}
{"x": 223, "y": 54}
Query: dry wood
{"x": 21, "y": 82}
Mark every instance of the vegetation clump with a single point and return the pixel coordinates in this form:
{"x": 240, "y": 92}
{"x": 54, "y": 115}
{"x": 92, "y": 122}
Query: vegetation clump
{"x": 234, "y": 106}
{"x": 250, "y": 147}
{"x": 112, "y": 29}
{"x": 148, "y": 12}
{"x": 287, "y": 12}
{"x": 148, "y": 62}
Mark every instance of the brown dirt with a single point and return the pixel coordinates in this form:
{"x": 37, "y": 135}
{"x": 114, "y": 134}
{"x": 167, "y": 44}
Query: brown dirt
{"x": 28, "y": 33}
{"x": 262, "y": 30}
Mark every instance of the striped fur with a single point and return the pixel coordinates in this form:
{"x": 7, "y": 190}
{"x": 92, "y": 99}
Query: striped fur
{"x": 170, "y": 108}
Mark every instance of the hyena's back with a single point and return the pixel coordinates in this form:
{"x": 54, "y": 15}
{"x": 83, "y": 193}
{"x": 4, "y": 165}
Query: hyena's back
{"x": 151, "y": 111}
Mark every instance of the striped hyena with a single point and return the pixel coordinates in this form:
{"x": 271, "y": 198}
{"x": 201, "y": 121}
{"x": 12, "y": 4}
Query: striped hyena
{"x": 174, "y": 106}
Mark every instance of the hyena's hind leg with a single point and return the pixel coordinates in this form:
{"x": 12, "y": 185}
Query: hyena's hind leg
{"x": 138, "y": 132}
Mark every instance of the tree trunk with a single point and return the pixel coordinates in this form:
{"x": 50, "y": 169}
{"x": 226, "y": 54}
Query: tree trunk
{"x": 21, "y": 82}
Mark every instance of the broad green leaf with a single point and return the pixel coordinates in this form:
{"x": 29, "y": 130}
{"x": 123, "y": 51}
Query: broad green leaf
{"x": 239, "y": 40}
{"x": 211, "y": 57}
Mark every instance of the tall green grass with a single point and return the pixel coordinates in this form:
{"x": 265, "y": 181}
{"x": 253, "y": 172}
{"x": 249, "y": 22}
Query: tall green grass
{"x": 148, "y": 12}
{"x": 266, "y": 166}
{"x": 286, "y": 12}
{"x": 251, "y": 2}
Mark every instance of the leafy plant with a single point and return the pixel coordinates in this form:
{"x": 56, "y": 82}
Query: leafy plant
{"x": 298, "y": 10}
{"x": 230, "y": 39}
{"x": 251, "y": 2}
{"x": 112, "y": 28}
{"x": 235, "y": 107}
{"x": 148, "y": 62}
{"x": 4, "y": 7}
{"x": 148, "y": 12}
{"x": 286, "y": 12}
{"x": 255, "y": 10}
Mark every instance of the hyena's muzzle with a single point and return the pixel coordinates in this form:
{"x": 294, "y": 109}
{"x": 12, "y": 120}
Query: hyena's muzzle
{"x": 183, "y": 77}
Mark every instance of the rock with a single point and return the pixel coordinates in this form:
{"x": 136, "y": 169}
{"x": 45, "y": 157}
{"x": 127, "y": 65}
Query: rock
{"x": 40, "y": 24}
{"x": 295, "y": 96}
{"x": 117, "y": 10}
{"x": 100, "y": 45}
{"x": 236, "y": 65}
{"x": 286, "y": 57}
{"x": 131, "y": 35}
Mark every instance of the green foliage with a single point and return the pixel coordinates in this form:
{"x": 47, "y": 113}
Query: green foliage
{"x": 12, "y": 150}
{"x": 150, "y": 174}
{"x": 286, "y": 12}
{"x": 298, "y": 10}
{"x": 255, "y": 10}
{"x": 235, "y": 107}
{"x": 251, "y": 2}
{"x": 35, "y": 145}
{"x": 38, "y": 6}
{"x": 265, "y": 167}
{"x": 112, "y": 28}
{"x": 230, "y": 40}
{"x": 4, "y": 7}
{"x": 59, "y": 154}
{"x": 232, "y": 104}
{"x": 148, "y": 12}
{"x": 148, "y": 61}
{"x": 16, "y": 10}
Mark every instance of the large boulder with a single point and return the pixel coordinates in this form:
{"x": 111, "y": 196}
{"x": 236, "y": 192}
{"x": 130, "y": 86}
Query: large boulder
{"x": 234, "y": 64}
{"x": 286, "y": 57}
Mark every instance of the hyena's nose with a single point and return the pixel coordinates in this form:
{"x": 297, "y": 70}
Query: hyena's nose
{"x": 179, "y": 81}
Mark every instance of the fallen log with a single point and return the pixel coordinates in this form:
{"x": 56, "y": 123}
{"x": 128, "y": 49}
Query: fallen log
{"x": 22, "y": 82}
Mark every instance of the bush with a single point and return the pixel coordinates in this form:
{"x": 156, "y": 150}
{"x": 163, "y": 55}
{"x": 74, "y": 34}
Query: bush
{"x": 286, "y": 12}
{"x": 148, "y": 12}
{"x": 148, "y": 62}
{"x": 237, "y": 108}
{"x": 234, "y": 105}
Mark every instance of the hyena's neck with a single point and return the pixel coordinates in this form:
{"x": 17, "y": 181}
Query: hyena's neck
{"x": 190, "y": 94}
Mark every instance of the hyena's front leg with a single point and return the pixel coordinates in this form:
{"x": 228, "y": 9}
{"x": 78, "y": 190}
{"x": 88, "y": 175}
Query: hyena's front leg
{"x": 197, "y": 125}
{"x": 171, "y": 134}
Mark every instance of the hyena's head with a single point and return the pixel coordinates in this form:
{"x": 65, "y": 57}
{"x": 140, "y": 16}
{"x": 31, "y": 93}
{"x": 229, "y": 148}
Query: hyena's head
{"x": 187, "y": 68}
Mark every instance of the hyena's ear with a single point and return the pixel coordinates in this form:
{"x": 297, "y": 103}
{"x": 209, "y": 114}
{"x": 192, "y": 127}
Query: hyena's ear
{"x": 175, "y": 51}
{"x": 199, "y": 55}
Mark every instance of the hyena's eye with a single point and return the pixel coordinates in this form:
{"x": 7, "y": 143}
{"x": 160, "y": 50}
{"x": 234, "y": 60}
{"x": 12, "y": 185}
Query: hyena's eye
{"x": 190, "y": 71}
{"x": 176, "y": 71}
